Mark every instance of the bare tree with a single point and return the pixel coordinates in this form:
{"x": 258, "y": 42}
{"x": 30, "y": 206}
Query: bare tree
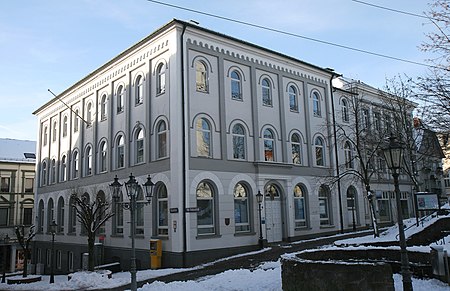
{"x": 361, "y": 142}
{"x": 24, "y": 241}
{"x": 92, "y": 216}
{"x": 433, "y": 89}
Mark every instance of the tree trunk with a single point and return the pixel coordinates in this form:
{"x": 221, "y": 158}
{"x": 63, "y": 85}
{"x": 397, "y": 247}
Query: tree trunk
{"x": 26, "y": 254}
{"x": 371, "y": 197}
{"x": 91, "y": 260}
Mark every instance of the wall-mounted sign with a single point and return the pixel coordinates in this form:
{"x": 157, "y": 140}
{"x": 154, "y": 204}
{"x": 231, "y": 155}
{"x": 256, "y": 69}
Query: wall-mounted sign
{"x": 192, "y": 209}
{"x": 427, "y": 201}
{"x": 173, "y": 210}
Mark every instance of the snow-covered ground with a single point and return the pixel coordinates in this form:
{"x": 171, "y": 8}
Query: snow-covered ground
{"x": 266, "y": 277}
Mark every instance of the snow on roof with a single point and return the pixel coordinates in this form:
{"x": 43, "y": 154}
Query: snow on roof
{"x": 14, "y": 150}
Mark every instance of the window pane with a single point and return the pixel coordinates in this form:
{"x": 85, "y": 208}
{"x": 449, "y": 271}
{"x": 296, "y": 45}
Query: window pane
{"x": 3, "y": 216}
{"x": 5, "y": 185}
{"x": 205, "y": 214}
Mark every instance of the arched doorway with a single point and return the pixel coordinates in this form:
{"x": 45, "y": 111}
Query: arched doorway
{"x": 273, "y": 212}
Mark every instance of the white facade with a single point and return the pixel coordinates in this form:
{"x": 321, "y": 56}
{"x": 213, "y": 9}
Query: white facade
{"x": 213, "y": 120}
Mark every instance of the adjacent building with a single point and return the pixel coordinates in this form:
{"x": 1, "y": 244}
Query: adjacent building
{"x": 213, "y": 120}
{"x": 17, "y": 176}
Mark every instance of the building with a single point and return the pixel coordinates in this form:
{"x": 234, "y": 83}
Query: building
{"x": 17, "y": 165}
{"x": 214, "y": 120}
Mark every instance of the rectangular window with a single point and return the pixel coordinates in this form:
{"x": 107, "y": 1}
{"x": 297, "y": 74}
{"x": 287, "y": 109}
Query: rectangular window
{"x": 29, "y": 185}
{"x": 300, "y": 217}
{"x": 27, "y": 216}
{"x": 49, "y": 257}
{"x": 5, "y": 184}
{"x": 205, "y": 216}
{"x": 70, "y": 261}
{"x": 58, "y": 260}
{"x": 4, "y": 211}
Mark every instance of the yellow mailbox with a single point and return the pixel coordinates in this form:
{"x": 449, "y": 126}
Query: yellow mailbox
{"x": 155, "y": 253}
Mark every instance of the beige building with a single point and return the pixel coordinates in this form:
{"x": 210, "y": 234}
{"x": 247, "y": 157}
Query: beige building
{"x": 17, "y": 165}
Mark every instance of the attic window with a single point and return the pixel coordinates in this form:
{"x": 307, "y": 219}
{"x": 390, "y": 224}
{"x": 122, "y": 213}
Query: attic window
{"x": 29, "y": 155}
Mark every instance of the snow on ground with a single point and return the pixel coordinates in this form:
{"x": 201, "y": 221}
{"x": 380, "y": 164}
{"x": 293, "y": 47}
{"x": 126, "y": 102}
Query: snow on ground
{"x": 266, "y": 277}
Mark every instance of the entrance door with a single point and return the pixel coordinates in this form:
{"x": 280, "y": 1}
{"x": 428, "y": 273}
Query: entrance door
{"x": 274, "y": 221}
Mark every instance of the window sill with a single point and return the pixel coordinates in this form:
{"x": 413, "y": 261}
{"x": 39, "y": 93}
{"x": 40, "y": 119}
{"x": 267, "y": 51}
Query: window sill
{"x": 250, "y": 233}
{"x": 303, "y": 228}
{"x": 116, "y": 235}
{"x": 165, "y": 237}
{"x": 71, "y": 234}
{"x": 327, "y": 226}
{"x": 161, "y": 92}
{"x": 207, "y": 236}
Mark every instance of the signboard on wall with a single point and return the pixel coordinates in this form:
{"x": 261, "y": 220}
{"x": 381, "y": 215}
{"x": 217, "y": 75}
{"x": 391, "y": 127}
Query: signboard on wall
{"x": 427, "y": 201}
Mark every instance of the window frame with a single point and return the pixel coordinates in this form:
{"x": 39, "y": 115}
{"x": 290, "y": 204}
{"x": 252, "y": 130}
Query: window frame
{"x": 296, "y": 148}
{"x": 236, "y": 86}
{"x": 161, "y": 142}
{"x": 120, "y": 99}
{"x": 139, "y": 146}
{"x": 103, "y": 107}
{"x": 317, "y": 109}
{"x": 293, "y": 98}
{"x": 269, "y": 145}
{"x": 319, "y": 149}
{"x": 161, "y": 79}
{"x": 241, "y": 197}
{"x": 344, "y": 110}
{"x": 201, "y": 77}
{"x": 239, "y": 142}
{"x": 204, "y": 134}
{"x": 206, "y": 229}
{"x": 120, "y": 152}
{"x": 139, "y": 90}
{"x": 300, "y": 195}
{"x": 162, "y": 210}
{"x": 266, "y": 92}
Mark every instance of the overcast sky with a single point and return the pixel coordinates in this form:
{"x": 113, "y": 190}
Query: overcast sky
{"x": 51, "y": 44}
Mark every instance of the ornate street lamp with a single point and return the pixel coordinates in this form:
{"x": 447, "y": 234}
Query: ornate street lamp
{"x": 259, "y": 199}
{"x": 5, "y": 254}
{"x": 393, "y": 153}
{"x": 53, "y": 227}
{"x": 132, "y": 188}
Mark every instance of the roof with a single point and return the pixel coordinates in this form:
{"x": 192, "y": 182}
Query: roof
{"x": 158, "y": 31}
{"x": 14, "y": 150}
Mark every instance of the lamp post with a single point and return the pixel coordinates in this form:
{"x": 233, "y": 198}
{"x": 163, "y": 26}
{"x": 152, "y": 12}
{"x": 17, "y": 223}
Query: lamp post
{"x": 53, "y": 231}
{"x": 5, "y": 254}
{"x": 259, "y": 199}
{"x": 393, "y": 154}
{"x": 132, "y": 187}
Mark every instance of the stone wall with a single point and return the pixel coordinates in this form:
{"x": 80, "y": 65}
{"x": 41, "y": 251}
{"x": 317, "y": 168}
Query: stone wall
{"x": 335, "y": 276}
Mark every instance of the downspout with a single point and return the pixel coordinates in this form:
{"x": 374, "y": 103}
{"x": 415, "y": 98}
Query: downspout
{"x": 341, "y": 219}
{"x": 184, "y": 155}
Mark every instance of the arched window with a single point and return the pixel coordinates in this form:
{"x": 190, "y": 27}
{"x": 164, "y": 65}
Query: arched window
{"x": 348, "y": 152}
{"x": 269, "y": 145}
{"x": 72, "y": 216}
{"x": 53, "y": 172}
{"x": 201, "y": 76}
{"x": 296, "y": 149}
{"x": 266, "y": 92}
{"x": 239, "y": 144}
{"x": 103, "y": 157}
{"x": 89, "y": 114}
{"x": 352, "y": 206}
{"x": 103, "y": 107}
{"x": 344, "y": 109}
{"x": 88, "y": 161}
{"x": 139, "y": 146}
{"x": 63, "y": 170}
{"x": 50, "y": 214}
{"x": 325, "y": 205}
{"x": 316, "y": 104}
{"x": 161, "y": 79}
{"x": 76, "y": 120}
{"x": 120, "y": 99}
{"x": 293, "y": 99}
{"x": 320, "y": 152}
{"x": 65, "y": 126}
{"x": 40, "y": 218}
{"x": 272, "y": 192}
{"x": 300, "y": 206}
{"x": 44, "y": 173}
{"x": 118, "y": 215}
{"x": 45, "y": 136}
{"x": 75, "y": 164}
{"x": 55, "y": 131}
{"x": 101, "y": 200}
{"x": 162, "y": 210}
{"x": 86, "y": 201}
{"x": 236, "y": 86}
{"x": 120, "y": 152}
{"x": 139, "y": 90}
{"x": 60, "y": 215}
{"x": 241, "y": 208}
{"x": 203, "y": 138}
{"x": 206, "y": 223}
{"x": 162, "y": 139}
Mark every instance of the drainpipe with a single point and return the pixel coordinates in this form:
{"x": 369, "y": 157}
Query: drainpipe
{"x": 341, "y": 219}
{"x": 184, "y": 149}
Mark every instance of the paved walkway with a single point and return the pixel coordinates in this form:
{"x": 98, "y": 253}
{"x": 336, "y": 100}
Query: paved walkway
{"x": 249, "y": 261}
